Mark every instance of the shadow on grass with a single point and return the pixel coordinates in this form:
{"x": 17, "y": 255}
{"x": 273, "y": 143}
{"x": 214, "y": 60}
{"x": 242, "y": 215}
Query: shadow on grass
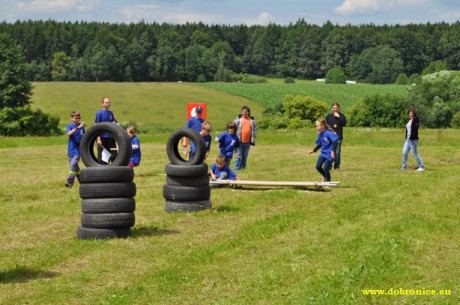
{"x": 23, "y": 274}
{"x": 151, "y": 231}
{"x": 226, "y": 209}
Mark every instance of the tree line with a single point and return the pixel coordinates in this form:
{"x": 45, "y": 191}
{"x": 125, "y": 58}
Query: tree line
{"x": 94, "y": 51}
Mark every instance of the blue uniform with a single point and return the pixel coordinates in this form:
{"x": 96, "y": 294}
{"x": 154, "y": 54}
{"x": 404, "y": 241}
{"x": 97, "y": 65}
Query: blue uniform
{"x": 73, "y": 145}
{"x": 228, "y": 143}
{"x": 136, "y": 154}
{"x": 194, "y": 123}
{"x": 104, "y": 116}
{"x": 326, "y": 140}
{"x": 230, "y": 174}
{"x": 207, "y": 142}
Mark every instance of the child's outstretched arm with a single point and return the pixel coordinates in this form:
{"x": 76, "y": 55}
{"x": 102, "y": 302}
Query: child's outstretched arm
{"x": 314, "y": 149}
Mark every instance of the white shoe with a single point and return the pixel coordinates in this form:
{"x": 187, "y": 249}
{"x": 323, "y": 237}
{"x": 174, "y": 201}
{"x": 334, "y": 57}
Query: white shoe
{"x": 420, "y": 169}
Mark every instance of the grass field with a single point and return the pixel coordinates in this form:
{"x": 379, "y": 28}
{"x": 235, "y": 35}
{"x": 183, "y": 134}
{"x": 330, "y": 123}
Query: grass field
{"x": 382, "y": 228}
{"x": 275, "y": 90}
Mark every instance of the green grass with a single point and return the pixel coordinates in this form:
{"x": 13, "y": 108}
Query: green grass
{"x": 381, "y": 228}
{"x": 155, "y": 107}
{"x": 275, "y": 91}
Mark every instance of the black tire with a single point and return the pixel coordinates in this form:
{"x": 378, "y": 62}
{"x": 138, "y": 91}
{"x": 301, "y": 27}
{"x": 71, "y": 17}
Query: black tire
{"x": 187, "y": 206}
{"x": 108, "y": 220}
{"x": 188, "y": 181}
{"x": 186, "y": 193}
{"x": 108, "y": 205}
{"x": 119, "y": 134}
{"x": 106, "y": 174}
{"x": 187, "y": 170}
{"x": 172, "y": 147}
{"x": 90, "y": 233}
{"x": 108, "y": 190}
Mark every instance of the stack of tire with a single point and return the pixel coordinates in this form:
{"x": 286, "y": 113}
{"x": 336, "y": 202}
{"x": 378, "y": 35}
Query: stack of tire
{"x": 187, "y": 182}
{"x": 107, "y": 190}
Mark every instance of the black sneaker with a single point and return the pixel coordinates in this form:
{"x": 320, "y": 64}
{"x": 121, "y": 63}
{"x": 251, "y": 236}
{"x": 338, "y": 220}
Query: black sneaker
{"x": 68, "y": 185}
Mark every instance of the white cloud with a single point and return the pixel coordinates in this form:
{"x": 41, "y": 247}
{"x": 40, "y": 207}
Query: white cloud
{"x": 162, "y": 14}
{"x": 350, "y": 7}
{"x": 47, "y": 6}
{"x": 263, "y": 19}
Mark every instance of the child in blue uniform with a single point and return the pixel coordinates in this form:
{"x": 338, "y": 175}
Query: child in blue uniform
{"x": 105, "y": 140}
{"x": 205, "y": 133}
{"x": 327, "y": 139}
{"x": 136, "y": 145}
{"x": 228, "y": 141}
{"x": 220, "y": 170}
{"x": 75, "y": 131}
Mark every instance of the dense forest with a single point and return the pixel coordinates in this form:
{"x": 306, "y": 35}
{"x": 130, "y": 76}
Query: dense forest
{"x": 91, "y": 51}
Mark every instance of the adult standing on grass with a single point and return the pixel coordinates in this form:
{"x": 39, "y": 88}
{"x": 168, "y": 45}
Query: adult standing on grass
{"x": 246, "y": 132}
{"x": 105, "y": 140}
{"x": 337, "y": 120}
{"x": 327, "y": 140}
{"x": 411, "y": 142}
{"x": 75, "y": 131}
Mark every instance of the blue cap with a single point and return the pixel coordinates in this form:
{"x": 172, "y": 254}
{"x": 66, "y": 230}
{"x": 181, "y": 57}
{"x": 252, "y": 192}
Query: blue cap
{"x": 198, "y": 109}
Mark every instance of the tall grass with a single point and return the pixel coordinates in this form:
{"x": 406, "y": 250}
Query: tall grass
{"x": 381, "y": 228}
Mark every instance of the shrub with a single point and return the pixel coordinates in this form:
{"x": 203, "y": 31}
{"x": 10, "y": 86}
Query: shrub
{"x": 402, "y": 79}
{"x": 289, "y": 80}
{"x": 297, "y": 123}
{"x": 455, "y": 123}
{"x": 414, "y": 78}
{"x": 436, "y": 98}
{"x": 379, "y": 110}
{"x": 249, "y": 79}
{"x": 304, "y": 107}
{"x": 335, "y": 76}
{"x": 23, "y": 121}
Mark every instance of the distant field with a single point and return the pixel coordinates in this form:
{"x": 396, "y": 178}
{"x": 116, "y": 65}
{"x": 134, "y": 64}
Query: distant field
{"x": 161, "y": 107}
{"x": 155, "y": 107}
{"x": 275, "y": 90}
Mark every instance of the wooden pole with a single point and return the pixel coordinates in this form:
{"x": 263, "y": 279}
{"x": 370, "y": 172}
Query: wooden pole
{"x": 274, "y": 183}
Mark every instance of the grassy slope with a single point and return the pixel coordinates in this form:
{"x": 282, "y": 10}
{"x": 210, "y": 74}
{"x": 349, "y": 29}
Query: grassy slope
{"x": 382, "y": 228}
{"x": 156, "y": 107}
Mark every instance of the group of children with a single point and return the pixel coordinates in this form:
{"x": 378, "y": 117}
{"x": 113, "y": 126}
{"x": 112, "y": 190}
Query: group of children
{"x": 76, "y": 130}
{"x": 228, "y": 143}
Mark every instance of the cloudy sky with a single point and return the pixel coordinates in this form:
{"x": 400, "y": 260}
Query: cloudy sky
{"x": 231, "y": 12}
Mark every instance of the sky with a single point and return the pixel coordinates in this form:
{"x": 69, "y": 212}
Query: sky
{"x": 234, "y": 12}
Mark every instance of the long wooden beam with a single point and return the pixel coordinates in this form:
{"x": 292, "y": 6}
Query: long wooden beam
{"x": 274, "y": 183}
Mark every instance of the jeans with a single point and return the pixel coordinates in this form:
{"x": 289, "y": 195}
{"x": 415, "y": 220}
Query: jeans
{"x": 324, "y": 171}
{"x": 74, "y": 169}
{"x": 411, "y": 145}
{"x": 243, "y": 152}
{"x": 228, "y": 160}
{"x": 337, "y": 152}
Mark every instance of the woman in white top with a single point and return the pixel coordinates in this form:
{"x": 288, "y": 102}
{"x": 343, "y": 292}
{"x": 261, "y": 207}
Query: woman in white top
{"x": 412, "y": 141}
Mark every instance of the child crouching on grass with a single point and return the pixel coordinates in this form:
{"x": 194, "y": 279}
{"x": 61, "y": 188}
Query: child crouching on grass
{"x": 327, "y": 140}
{"x": 136, "y": 145}
{"x": 220, "y": 170}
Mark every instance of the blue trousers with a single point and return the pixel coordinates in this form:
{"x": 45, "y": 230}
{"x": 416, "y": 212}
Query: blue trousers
{"x": 243, "y": 152}
{"x": 323, "y": 166}
{"x": 411, "y": 145}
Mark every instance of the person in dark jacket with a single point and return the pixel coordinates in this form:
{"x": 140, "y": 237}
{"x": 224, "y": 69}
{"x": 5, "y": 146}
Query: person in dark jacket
{"x": 411, "y": 142}
{"x": 337, "y": 120}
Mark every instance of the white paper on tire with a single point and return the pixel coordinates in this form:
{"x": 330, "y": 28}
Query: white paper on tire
{"x": 105, "y": 155}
